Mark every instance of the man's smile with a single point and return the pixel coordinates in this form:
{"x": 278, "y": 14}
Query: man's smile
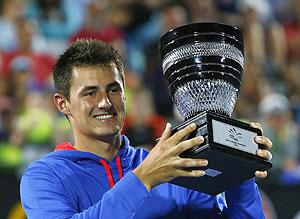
{"x": 104, "y": 116}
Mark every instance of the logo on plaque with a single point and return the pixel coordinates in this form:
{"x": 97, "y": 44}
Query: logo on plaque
{"x": 234, "y": 134}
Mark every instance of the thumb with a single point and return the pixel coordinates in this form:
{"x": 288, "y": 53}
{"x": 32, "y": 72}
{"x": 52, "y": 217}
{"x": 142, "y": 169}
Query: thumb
{"x": 166, "y": 133}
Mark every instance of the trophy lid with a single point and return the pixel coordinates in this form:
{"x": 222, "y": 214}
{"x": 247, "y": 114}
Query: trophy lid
{"x": 200, "y": 32}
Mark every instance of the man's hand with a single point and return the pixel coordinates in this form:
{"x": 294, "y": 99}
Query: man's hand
{"x": 264, "y": 153}
{"x": 163, "y": 162}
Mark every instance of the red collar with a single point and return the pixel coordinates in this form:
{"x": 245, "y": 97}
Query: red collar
{"x": 68, "y": 146}
{"x": 64, "y": 146}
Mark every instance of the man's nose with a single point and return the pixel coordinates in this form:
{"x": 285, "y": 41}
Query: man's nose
{"x": 103, "y": 101}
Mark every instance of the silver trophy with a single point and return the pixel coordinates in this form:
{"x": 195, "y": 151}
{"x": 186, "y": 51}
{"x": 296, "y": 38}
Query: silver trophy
{"x": 203, "y": 65}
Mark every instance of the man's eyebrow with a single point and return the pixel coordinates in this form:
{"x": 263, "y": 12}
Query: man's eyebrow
{"x": 88, "y": 88}
{"x": 113, "y": 84}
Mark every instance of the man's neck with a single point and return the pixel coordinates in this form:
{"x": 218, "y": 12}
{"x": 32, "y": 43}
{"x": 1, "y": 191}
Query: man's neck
{"x": 106, "y": 148}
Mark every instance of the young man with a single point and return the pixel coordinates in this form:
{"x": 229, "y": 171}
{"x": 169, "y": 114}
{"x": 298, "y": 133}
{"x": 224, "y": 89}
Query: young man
{"x": 101, "y": 175}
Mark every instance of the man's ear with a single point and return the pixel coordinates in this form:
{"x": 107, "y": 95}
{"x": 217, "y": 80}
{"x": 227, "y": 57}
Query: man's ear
{"x": 62, "y": 104}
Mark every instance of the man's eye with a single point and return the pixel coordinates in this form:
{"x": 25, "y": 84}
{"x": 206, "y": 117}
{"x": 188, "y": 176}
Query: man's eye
{"x": 115, "y": 89}
{"x": 90, "y": 93}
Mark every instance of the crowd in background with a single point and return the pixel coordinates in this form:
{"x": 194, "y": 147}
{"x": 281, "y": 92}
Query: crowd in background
{"x": 35, "y": 32}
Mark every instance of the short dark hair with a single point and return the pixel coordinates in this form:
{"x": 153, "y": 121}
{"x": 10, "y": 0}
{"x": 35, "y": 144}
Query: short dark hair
{"x": 82, "y": 53}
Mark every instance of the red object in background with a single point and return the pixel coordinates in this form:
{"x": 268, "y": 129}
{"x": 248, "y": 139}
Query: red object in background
{"x": 40, "y": 65}
{"x": 156, "y": 122}
{"x": 107, "y": 34}
{"x": 292, "y": 34}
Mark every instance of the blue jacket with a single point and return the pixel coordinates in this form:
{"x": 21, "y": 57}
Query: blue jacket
{"x": 68, "y": 183}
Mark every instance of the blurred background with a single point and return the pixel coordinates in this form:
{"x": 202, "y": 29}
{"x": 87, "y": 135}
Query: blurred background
{"x": 35, "y": 32}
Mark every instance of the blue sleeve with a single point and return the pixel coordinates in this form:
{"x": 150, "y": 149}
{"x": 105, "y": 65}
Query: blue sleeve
{"x": 206, "y": 206}
{"x": 43, "y": 196}
{"x": 244, "y": 201}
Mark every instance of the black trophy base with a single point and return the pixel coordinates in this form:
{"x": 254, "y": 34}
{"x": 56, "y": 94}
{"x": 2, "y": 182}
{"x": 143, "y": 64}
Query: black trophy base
{"x": 230, "y": 150}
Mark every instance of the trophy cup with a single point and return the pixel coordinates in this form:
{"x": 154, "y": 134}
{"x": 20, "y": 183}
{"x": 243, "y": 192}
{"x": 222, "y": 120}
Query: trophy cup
{"x": 203, "y": 65}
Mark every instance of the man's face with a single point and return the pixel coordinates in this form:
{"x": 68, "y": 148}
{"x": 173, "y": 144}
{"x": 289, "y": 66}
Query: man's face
{"x": 97, "y": 102}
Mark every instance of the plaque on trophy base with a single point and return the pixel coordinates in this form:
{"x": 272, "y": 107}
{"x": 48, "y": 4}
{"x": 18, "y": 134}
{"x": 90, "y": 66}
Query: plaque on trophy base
{"x": 230, "y": 150}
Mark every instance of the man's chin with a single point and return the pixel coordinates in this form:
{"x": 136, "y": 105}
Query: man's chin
{"x": 112, "y": 134}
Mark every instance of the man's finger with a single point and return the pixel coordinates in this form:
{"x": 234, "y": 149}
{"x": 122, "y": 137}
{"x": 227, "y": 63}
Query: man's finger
{"x": 190, "y": 162}
{"x": 261, "y": 174}
{"x": 178, "y": 136}
{"x": 189, "y": 173}
{"x": 166, "y": 133}
{"x": 256, "y": 125}
{"x": 264, "y": 154}
{"x": 187, "y": 144}
{"x": 264, "y": 141}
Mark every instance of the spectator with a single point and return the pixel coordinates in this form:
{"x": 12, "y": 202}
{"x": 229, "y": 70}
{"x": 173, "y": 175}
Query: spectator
{"x": 40, "y": 64}
{"x": 284, "y": 132}
{"x": 143, "y": 125}
{"x": 97, "y": 24}
{"x": 57, "y": 20}
{"x": 10, "y": 10}
{"x": 172, "y": 15}
{"x": 292, "y": 31}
